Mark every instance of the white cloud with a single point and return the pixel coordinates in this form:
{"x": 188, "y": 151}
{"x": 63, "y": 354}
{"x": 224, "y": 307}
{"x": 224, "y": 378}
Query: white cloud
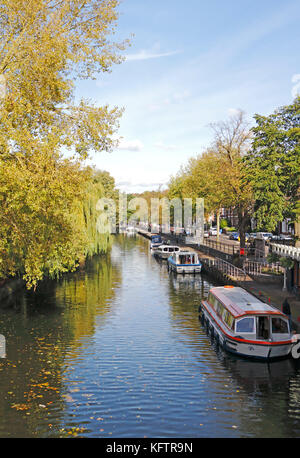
{"x": 145, "y": 55}
{"x": 133, "y": 145}
{"x": 296, "y": 87}
{"x": 233, "y": 111}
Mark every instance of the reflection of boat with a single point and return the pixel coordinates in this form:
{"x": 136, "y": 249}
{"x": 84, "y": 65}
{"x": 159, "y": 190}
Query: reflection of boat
{"x": 164, "y": 251}
{"x": 130, "y": 230}
{"x": 246, "y": 326}
{"x": 184, "y": 262}
{"x": 155, "y": 241}
{"x": 187, "y": 283}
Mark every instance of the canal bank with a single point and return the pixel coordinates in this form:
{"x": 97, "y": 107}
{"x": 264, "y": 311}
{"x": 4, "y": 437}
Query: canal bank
{"x": 219, "y": 269}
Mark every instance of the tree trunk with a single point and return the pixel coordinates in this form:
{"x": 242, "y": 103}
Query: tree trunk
{"x": 218, "y": 224}
{"x": 284, "y": 279}
{"x": 297, "y": 233}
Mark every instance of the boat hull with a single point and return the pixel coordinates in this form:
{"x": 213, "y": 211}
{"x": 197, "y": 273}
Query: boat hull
{"x": 247, "y": 349}
{"x": 162, "y": 255}
{"x": 185, "y": 269}
{"x": 154, "y": 246}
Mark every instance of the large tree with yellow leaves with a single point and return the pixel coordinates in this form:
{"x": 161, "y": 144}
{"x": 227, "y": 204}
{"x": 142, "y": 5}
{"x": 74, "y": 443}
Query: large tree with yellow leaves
{"x": 45, "y": 46}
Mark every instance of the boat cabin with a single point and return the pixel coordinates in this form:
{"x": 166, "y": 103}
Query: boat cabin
{"x": 164, "y": 251}
{"x": 247, "y": 316}
{"x": 184, "y": 262}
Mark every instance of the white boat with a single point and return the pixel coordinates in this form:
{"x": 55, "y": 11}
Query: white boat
{"x": 246, "y": 326}
{"x": 164, "y": 251}
{"x": 184, "y": 262}
{"x": 155, "y": 241}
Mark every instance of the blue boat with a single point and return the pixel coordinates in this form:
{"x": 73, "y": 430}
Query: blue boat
{"x": 155, "y": 241}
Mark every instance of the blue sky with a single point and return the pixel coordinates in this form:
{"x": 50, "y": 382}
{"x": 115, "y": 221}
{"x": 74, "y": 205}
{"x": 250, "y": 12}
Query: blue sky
{"x": 190, "y": 64}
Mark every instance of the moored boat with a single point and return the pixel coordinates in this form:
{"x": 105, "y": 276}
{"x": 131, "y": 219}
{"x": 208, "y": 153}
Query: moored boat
{"x": 246, "y": 326}
{"x": 184, "y": 262}
{"x": 155, "y": 241}
{"x": 164, "y": 251}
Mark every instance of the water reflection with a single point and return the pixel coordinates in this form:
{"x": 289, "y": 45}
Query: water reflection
{"x": 40, "y": 329}
{"x": 117, "y": 350}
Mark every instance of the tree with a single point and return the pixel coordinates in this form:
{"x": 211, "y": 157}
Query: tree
{"x": 45, "y": 46}
{"x": 218, "y": 174}
{"x": 273, "y": 166}
{"x": 203, "y": 177}
{"x": 232, "y": 140}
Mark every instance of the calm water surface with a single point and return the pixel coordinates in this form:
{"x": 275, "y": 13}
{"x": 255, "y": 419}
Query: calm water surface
{"x": 117, "y": 351}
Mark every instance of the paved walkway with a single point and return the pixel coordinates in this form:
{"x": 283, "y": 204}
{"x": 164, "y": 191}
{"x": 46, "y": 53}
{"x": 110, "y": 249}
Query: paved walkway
{"x": 274, "y": 295}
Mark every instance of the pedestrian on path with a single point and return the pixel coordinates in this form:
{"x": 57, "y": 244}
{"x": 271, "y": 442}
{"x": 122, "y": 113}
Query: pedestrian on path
{"x": 286, "y": 309}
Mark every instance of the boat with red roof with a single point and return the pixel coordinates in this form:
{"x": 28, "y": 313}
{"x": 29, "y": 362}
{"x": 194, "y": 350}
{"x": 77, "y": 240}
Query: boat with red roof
{"x": 246, "y": 326}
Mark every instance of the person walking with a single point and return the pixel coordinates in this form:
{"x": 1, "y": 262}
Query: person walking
{"x": 286, "y": 309}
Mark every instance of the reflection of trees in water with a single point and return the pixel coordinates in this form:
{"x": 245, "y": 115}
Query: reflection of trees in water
{"x": 88, "y": 294}
{"x": 131, "y": 242}
{"x": 41, "y": 330}
{"x": 126, "y": 242}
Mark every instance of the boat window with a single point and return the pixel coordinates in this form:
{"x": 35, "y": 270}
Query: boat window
{"x": 228, "y": 319}
{"x": 245, "y": 325}
{"x": 279, "y": 326}
{"x": 220, "y": 309}
{"x": 225, "y": 315}
{"x": 263, "y": 329}
{"x": 213, "y": 301}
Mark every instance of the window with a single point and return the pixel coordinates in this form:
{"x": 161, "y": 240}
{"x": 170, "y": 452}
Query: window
{"x": 229, "y": 320}
{"x": 279, "y": 326}
{"x": 245, "y": 325}
{"x": 212, "y": 300}
{"x": 263, "y": 328}
{"x": 220, "y": 309}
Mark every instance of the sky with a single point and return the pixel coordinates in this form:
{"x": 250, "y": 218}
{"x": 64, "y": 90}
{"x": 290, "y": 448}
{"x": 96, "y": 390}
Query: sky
{"x": 191, "y": 64}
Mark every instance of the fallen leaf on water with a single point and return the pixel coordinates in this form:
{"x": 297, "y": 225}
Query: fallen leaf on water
{"x": 20, "y": 406}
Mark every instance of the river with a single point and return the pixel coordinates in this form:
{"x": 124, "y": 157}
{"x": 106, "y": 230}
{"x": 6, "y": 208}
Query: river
{"x": 117, "y": 351}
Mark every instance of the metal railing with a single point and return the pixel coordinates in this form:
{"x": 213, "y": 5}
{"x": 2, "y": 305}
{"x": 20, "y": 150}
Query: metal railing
{"x": 225, "y": 267}
{"x": 286, "y": 251}
{"x": 260, "y": 268}
{"x": 228, "y": 248}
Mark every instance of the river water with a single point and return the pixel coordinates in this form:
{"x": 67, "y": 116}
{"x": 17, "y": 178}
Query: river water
{"x": 117, "y": 351}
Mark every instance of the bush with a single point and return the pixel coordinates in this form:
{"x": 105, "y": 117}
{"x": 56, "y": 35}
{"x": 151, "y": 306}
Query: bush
{"x": 229, "y": 229}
